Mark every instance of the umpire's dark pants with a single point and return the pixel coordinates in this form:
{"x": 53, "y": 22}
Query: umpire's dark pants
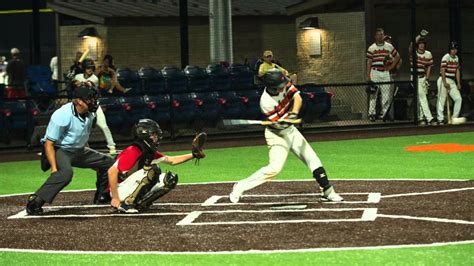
{"x": 65, "y": 160}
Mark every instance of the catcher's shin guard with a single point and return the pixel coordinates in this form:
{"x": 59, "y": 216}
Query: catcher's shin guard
{"x": 146, "y": 184}
{"x": 167, "y": 182}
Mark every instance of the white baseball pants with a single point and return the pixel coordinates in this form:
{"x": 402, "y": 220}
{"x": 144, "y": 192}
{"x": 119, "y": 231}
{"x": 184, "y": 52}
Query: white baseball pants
{"x": 424, "y": 108}
{"x": 385, "y": 89}
{"x": 128, "y": 186}
{"x": 453, "y": 93}
{"x": 279, "y": 144}
{"x": 102, "y": 123}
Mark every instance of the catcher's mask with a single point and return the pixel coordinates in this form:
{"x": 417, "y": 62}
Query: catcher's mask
{"x": 90, "y": 96}
{"x": 274, "y": 80}
{"x": 149, "y": 132}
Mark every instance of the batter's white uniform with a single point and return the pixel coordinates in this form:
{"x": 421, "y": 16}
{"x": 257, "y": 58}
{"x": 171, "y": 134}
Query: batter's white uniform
{"x": 377, "y": 53}
{"x": 101, "y": 121}
{"x": 451, "y": 65}
{"x": 280, "y": 140}
{"x": 424, "y": 61}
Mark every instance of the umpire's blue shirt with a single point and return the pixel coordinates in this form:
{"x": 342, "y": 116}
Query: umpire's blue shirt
{"x": 67, "y": 129}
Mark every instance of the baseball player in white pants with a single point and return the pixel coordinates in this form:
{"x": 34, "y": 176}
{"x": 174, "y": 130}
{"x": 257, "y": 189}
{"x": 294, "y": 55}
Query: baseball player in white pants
{"x": 449, "y": 80}
{"x": 281, "y": 102}
{"x": 378, "y": 54}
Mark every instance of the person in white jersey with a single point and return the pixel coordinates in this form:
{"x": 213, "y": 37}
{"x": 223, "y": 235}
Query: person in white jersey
{"x": 90, "y": 79}
{"x": 280, "y": 103}
{"x": 377, "y": 71}
{"x": 424, "y": 62}
{"x": 449, "y": 81}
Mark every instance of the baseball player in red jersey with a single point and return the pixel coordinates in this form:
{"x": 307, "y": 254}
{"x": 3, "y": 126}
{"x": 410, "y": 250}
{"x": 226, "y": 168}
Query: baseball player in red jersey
{"x": 281, "y": 101}
{"x": 449, "y": 82}
{"x": 138, "y": 166}
{"x": 377, "y": 55}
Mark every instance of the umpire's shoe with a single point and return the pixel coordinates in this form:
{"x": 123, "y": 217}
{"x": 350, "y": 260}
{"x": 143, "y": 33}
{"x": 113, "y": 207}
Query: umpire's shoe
{"x": 33, "y": 207}
{"x": 102, "y": 199}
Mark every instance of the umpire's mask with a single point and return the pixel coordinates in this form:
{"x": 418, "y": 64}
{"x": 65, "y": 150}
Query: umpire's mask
{"x": 90, "y": 96}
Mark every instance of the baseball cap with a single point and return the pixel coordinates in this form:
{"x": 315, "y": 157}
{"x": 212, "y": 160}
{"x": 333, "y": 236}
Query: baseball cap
{"x": 267, "y": 53}
{"x": 15, "y": 51}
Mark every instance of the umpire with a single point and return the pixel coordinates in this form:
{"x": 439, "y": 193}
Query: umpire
{"x": 65, "y": 146}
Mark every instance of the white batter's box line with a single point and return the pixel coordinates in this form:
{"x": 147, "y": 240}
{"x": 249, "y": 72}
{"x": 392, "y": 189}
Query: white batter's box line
{"x": 368, "y": 214}
{"x": 427, "y": 192}
{"x": 372, "y": 197}
{"x": 429, "y": 219}
{"x": 23, "y": 215}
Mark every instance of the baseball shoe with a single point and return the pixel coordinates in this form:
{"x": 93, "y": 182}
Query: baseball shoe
{"x": 33, "y": 207}
{"x": 432, "y": 122}
{"x": 422, "y": 123}
{"x": 102, "y": 199}
{"x": 234, "y": 197}
{"x": 331, "y": 195}
{"x": 127, "y": 90}
{"x": 441, "y": 123}
{"x": 124, "y": 208}
{"x": 372, "y": 118}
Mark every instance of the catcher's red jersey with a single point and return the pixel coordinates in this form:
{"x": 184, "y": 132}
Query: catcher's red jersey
{"x": 129, "y": 157}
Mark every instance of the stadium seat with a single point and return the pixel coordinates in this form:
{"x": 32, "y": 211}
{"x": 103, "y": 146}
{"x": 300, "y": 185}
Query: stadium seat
{"x": 114, "y": 112}
{"x": 183, "y": 108}
{"x": 129, "y": 79}
{"x": 18, "y": 117}
{"x": 230, "y": 104}
{"x": 135, "y": 109}
{"x": 198, "y": 79}
{"x": 153, "y": 81}
{"x": 219, "y": 77}
{"x": 39, "y": 81}
{"x": 175, "y": 79}
{"x": 207, "y": 109}
{"x": 241, "y": 77}
{"x": 316, "y": 102}
{"x": 250, "y": 100}
{"x": 158, "y": 108}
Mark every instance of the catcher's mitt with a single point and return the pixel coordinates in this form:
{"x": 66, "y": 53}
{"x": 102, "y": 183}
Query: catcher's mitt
{"x": 197, "y": 146}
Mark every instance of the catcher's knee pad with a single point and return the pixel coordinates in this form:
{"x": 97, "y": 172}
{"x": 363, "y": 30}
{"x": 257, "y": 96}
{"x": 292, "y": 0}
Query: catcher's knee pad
{"x": 150, "y": 179}
{"x": 321, "y": 177}
{"x": 167, "y": 182}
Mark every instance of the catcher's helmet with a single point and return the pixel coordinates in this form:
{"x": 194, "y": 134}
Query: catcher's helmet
{"x": 144, "y": 130}
{"x": 274, "y": 80}
{"x": 89, "y": 95}
{"x": 453, "y": 45}
{"x": 88, "y": 63}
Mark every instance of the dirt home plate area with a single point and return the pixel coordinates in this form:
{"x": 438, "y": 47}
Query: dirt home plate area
{"x": 276, "y": 216}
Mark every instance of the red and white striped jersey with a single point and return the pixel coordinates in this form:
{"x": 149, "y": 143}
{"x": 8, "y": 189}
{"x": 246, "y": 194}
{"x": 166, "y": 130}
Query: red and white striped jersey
{"x": 450, "y": 64}
{"x": 378, "y": 52}
{"x": 423, "y": 61}
{"x": 278, "y": 106}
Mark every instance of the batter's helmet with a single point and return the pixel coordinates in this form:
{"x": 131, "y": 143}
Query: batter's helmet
{"x": 89, "y": 95}
{"x": 88, "y": 63}
{"x": 274, "y": 80}
{"x": 144, "y": 129}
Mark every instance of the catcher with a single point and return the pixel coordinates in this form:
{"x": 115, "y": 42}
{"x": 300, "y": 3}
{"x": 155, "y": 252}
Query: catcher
{"x": 137, "y": 166}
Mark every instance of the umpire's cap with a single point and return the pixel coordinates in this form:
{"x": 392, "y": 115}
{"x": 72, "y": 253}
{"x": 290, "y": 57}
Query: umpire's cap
{"x": 274, "y": 78}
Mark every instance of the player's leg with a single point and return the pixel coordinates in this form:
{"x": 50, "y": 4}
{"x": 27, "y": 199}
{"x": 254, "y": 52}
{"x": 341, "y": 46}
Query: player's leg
{"x": 102, "y": 123}
{"x": 146, "y": 181}
{"x": 278, "y": 152}
{"x": 441, "y": 101}
{"x": 456, "y": 96}
{"x": 373, "y": 97}
{"x": 53, "y": 185}
{"x": 167, "y": 181}
{"x": 303, "y": 150}
{"x": 423, "y": 101}
{"x": 387, "y": 93}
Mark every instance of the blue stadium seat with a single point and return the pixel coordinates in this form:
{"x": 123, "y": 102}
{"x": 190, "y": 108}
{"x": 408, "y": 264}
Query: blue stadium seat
{"x": 153, "y": 81}
{"x": 316, "y": 102}
{"x": 175, "y": 79}
{"x": 219, "y": 77}
{"x": 135, "y": 109}
{"x": 114, "y": 112}
{"x": 129, "y": 79}
{"x": 158, "y": 108}
{"x": 198, "y": 79}
{"x": 207, "y": 108}
{"x": 251, "y": 104}
{"x": 18, "y": 117}
{"x": 183, "y": 108}
{"x": 241, "y": 77}
{"x": 39, "y": 81}
{"x": 230, "y": 105}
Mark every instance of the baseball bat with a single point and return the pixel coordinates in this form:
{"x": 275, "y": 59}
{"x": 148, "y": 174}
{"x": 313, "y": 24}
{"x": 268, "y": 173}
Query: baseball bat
{"x": 448, "y": 107}
{"x": 84, "y": 55}
{"x": 240, "y": 122}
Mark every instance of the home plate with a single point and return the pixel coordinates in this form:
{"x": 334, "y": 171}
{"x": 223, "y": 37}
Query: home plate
{"x": 288, "y": 207}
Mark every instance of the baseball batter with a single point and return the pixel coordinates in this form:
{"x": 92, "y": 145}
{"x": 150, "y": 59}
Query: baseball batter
{"x": 377, "y": 71}
{"x": 424, "y": 62}
{"x": 138, "y": 166}
{"x": 449, "y": 81}
{"x": 281, "y": 102}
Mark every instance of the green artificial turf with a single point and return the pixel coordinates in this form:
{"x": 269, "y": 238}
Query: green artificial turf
{"x": 367, "y": 158}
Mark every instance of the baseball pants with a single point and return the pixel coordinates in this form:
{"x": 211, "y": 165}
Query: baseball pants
{"x": 386, "y": 90}
{"x": 453, "y": 93}
{"x": 65, "y": 160}
{"x": 424, "y": 108}
{"x": 280, "y": 142}
{"x": 128, "y": 186}
{"x": 102, "y": 123}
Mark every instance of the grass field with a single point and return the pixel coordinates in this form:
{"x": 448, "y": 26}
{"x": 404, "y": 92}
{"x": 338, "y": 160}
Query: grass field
{"x": 366, "y": 158}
